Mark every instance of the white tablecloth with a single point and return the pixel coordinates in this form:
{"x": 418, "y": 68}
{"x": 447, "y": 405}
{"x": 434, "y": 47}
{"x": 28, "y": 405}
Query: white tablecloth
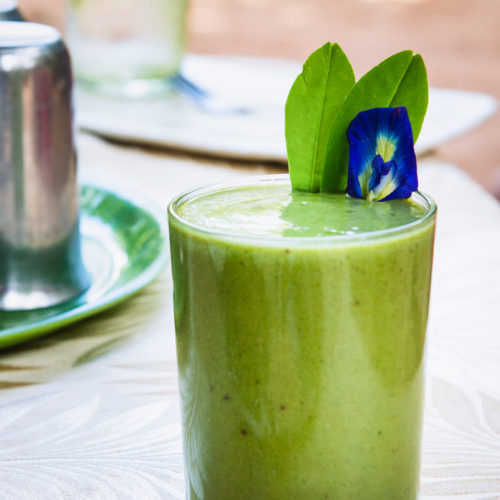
{"x": 92, "y": 413}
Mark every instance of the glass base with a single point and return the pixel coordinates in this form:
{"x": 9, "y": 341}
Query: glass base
{"x": 138, "y": 88}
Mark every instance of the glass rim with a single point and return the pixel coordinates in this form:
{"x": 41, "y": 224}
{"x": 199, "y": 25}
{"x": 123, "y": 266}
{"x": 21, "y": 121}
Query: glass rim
{"x": 334, "y": 240}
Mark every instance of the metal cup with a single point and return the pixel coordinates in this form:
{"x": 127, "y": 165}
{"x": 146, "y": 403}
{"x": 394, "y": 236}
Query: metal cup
{"x": 40, "y": 254}
{"x": 9, "y": 11}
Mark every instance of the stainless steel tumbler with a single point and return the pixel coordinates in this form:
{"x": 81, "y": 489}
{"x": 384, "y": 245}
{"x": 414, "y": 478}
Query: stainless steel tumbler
{"x": 40, "y": 252}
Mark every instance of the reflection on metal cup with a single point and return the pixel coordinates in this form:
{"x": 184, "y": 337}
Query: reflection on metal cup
{"x": 40, "y": 254}
{"x": 9, "y": 11}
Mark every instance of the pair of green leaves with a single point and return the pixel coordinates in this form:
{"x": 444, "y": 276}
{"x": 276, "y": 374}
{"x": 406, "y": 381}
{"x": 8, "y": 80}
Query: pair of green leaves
{"x": 325, "y": 98}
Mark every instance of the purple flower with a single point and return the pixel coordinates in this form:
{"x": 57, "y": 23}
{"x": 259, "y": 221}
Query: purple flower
{"x": 382, "y": 161}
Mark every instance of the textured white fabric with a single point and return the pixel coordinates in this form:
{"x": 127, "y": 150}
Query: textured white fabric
{"x": 91, "y": 412}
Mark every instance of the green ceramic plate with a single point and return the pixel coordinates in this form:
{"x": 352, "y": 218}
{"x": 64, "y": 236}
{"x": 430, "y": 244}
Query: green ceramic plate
{"x": 124, "y": 248}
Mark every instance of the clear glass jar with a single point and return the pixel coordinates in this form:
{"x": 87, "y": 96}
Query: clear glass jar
{"x": 301, "y": 358}
{"x": 126, "y": 47}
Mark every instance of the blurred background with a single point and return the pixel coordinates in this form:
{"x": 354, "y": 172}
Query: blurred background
{"x": 459, "y": 40}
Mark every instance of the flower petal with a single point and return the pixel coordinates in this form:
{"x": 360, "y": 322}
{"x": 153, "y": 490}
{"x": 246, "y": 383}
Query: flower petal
{"x": 382, "y": 161}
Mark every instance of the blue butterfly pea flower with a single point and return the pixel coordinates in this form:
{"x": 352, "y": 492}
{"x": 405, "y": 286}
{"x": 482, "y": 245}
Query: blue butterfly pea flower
{"x": 382, "y": 161}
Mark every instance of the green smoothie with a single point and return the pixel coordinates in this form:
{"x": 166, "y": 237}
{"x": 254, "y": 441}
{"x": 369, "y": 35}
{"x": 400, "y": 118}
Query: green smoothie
{"x": 300, "y": 322}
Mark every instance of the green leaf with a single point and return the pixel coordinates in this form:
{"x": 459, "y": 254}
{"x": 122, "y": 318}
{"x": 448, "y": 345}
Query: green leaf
{"x": 376, "y": 89}
{"x": 313, "y": 102}
{"x": 413, "y": 93}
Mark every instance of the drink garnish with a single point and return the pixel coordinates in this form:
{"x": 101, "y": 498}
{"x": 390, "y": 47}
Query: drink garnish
{"x": 323, "y": 103}
{"x": 312, "y": 105}
{"x": 382, "y": 161}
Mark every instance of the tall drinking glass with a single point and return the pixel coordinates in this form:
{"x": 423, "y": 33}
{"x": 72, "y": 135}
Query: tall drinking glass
{"x": 300, "y": 323}
{"x": 126, "y": 47}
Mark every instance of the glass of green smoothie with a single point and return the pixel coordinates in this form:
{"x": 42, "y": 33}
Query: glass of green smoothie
{"x": 301, "y": 301}
{"x": 300, "y": 322}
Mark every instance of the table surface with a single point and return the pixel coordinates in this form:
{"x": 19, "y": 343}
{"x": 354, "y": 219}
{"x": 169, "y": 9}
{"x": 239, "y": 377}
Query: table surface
{"x": 92, "y": 411}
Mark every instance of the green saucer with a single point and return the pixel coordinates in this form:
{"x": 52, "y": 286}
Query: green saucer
{"x": 124, "y": 248}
